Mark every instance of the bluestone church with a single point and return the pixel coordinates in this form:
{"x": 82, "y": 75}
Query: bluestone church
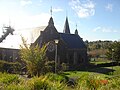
{"x": 70, "y": 49}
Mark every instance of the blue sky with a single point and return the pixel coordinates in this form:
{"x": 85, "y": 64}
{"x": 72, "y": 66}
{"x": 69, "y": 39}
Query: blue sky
{"x": 95, "y": 19}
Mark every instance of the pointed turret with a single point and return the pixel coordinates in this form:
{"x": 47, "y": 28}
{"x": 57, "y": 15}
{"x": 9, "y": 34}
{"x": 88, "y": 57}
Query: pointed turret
{"x": 66, "y": 27}
{"x": 51, "y": 22}
{"x": 76, "y": 32}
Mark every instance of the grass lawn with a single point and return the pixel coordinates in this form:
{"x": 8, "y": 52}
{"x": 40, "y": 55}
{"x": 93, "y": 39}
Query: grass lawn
{"x": 100, "y": 61}
{"x": 102, "y": 71}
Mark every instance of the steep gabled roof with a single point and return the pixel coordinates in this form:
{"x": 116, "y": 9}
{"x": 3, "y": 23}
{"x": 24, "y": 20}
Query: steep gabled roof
{"x": 73, "y": 41}
{"x": 49, "y": 33}
{"x": 66, "y": 27}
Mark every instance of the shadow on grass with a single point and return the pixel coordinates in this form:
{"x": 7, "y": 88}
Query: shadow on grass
{"x": 99, "y": 68}
{"x": 102, "y": 70}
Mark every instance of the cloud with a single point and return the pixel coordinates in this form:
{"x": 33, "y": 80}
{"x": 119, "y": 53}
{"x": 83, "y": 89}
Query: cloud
{"x": 83, "y": 8}
{"x": 57, "y": 9}
{"x": 104, "y": 29}
{"x": 96, "y": 29}
{"x": 109, "y": 7}
{"x": 25, "y": 2}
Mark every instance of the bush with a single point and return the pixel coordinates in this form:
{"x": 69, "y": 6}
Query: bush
{"x": 49, "y": 66}
{"x": 8, "y": 78}
{"x": 11, "y": 67}
{"x": 51, "y": 81}
{"x": 57, "y": 77}
{"x": 64, "y": 67}
{"x": 35, "y": 58}
{"x": 44, "y": 83}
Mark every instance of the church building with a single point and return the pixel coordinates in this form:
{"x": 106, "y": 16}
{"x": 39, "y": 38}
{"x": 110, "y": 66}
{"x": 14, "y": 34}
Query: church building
{"x": 70, "y": 48}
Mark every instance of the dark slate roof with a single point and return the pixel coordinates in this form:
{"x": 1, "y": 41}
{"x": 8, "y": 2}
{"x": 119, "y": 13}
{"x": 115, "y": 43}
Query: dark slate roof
{"x": 73, "y": 41}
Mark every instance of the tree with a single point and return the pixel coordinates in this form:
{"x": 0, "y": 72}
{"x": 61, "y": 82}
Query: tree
{"x": 114, "y": 51}
{"x": 35, "y": 58}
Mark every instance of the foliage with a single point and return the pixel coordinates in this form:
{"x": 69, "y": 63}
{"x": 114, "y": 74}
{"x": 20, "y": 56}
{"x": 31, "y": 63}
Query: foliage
{"x": 64, "y": 66}
{"x": 35, "y": 83}
{"x": 94, "y": 81}
{"x": 44, "y": 83}
{"x": 35, "y": 58}
{"x": 50, "y": 81}
{"x": 11, "y": 67}
{"x": 114, "y": 51}
{"x": 84, "y": 81}
{"x": 97, "y": 49}
{"x": 8, "y": 78}
{"x": 94, "y": 45}
{"x": 57, "y": 77}
{"x": 97, "y": 53}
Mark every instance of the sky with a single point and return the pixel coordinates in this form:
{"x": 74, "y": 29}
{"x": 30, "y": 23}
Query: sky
{"x": 94, "y": 19}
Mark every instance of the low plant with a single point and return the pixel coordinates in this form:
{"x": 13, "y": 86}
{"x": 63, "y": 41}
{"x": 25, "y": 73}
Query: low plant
{"x": 10, "y": 67}
{"x": 44, "y": 83}
{"x": 8, "y": 78}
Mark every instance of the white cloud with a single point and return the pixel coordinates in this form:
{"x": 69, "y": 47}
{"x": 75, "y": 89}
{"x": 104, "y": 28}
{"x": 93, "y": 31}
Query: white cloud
{"x": 109, "y": 7}
{"x": 83, "y": 8}
{"x": 57, "y": 9}
{"x": 96, "y": 29}
{"x": 105, "y": 29}
{"x": 25, "y": 2}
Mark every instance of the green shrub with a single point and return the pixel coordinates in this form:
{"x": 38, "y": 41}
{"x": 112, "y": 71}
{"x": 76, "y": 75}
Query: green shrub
{"x": 35, "y": 58}
{"x": 91, "y": 81}
{"x": 8, "y": 78}
{"x": 84, "y": 81}
{"x": 64, "y": 67}
{"x": 57, "y": 77}
{"x": 16, "y": 87}
{"x": 38, "y": 83}
{"x": 12, "y": 67}
{"x": 44, "y": 83}
{"x": 50, "y": 66}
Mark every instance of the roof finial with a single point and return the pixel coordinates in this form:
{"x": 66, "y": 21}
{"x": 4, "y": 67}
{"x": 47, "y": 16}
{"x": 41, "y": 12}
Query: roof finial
{"x": 51, "y": 11}
{"x": 76, "y": 25}
{"x": 76, "y": 31}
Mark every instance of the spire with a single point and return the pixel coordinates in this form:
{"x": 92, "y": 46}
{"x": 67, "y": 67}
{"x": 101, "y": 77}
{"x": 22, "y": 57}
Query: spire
{"x": 66, "y": 27}
{"x": 76, "y": 31}
{"x": 51, "y": 22}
